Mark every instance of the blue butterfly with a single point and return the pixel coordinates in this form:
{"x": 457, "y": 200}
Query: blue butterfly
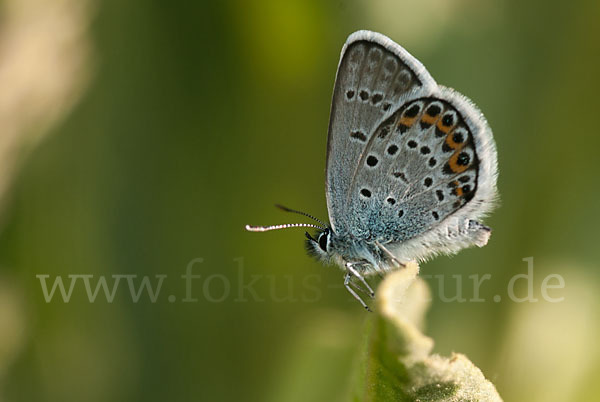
{"x": 411, "y": 166}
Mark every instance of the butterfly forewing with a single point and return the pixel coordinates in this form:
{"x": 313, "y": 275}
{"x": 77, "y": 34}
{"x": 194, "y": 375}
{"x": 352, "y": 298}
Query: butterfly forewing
{"x": 373, "y": 75}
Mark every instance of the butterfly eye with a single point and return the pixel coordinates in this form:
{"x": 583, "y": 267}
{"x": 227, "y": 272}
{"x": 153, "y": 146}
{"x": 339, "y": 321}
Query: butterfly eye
{"x": 323, "y": 241}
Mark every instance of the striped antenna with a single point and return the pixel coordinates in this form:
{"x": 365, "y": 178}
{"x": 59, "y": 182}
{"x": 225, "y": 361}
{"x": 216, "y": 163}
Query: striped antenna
{"x": 286, "y": 209}
{"x": 284, "y": 226}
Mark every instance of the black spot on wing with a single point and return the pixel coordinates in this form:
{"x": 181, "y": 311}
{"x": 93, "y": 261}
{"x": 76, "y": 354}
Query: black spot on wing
{"x": 372, "y": 160}
{"x": 359, "y": 136}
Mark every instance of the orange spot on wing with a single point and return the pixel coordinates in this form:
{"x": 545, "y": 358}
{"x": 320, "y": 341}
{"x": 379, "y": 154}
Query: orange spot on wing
{"x": 407, "y": 121}
{"x": 452, "y": 144}
{"x": 442, "y": 128}
{"x": 454, "y": 166}
{"x": 429, "y": 119}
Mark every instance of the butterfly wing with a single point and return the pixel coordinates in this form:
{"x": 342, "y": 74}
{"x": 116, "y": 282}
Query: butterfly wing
{"x": 426, "y": 175}
{"x": 419, "y": 173}
{"x": 373, "y": 75}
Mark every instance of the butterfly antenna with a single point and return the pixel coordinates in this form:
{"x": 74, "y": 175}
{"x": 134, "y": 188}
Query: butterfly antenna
{"x": 286, "y": 209}
{"x": 285, "y": 226}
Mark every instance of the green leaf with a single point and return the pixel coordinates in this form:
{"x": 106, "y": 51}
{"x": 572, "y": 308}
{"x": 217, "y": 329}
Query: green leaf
{"x": 396, "y": 362}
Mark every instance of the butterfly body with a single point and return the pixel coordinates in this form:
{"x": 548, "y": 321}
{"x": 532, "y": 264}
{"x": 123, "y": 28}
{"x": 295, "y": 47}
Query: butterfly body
{"x": 411, "y": 165}
{"x": 377, "y": 257}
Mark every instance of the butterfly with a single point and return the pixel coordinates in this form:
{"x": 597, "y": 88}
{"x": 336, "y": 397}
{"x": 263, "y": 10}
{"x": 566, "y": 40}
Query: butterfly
{"x": 411, "y": 166}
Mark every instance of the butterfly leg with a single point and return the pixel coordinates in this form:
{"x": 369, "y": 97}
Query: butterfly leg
{"x": 347, "y": 279}
{"x": 356, "y": 274}
{"x": 396, "y": 262}
{"x": 355, "y": 285}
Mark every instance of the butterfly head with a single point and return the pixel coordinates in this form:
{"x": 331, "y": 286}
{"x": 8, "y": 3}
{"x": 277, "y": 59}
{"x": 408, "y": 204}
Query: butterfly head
{"x": 320, "y": 245}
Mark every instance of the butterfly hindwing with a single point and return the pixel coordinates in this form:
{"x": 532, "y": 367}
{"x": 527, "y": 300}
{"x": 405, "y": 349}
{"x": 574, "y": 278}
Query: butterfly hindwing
{"x": 421, "y": 171}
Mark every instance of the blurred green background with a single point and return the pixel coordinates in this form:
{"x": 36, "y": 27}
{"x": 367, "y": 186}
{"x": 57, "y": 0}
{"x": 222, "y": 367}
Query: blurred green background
{"x": 138, "y": 136}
